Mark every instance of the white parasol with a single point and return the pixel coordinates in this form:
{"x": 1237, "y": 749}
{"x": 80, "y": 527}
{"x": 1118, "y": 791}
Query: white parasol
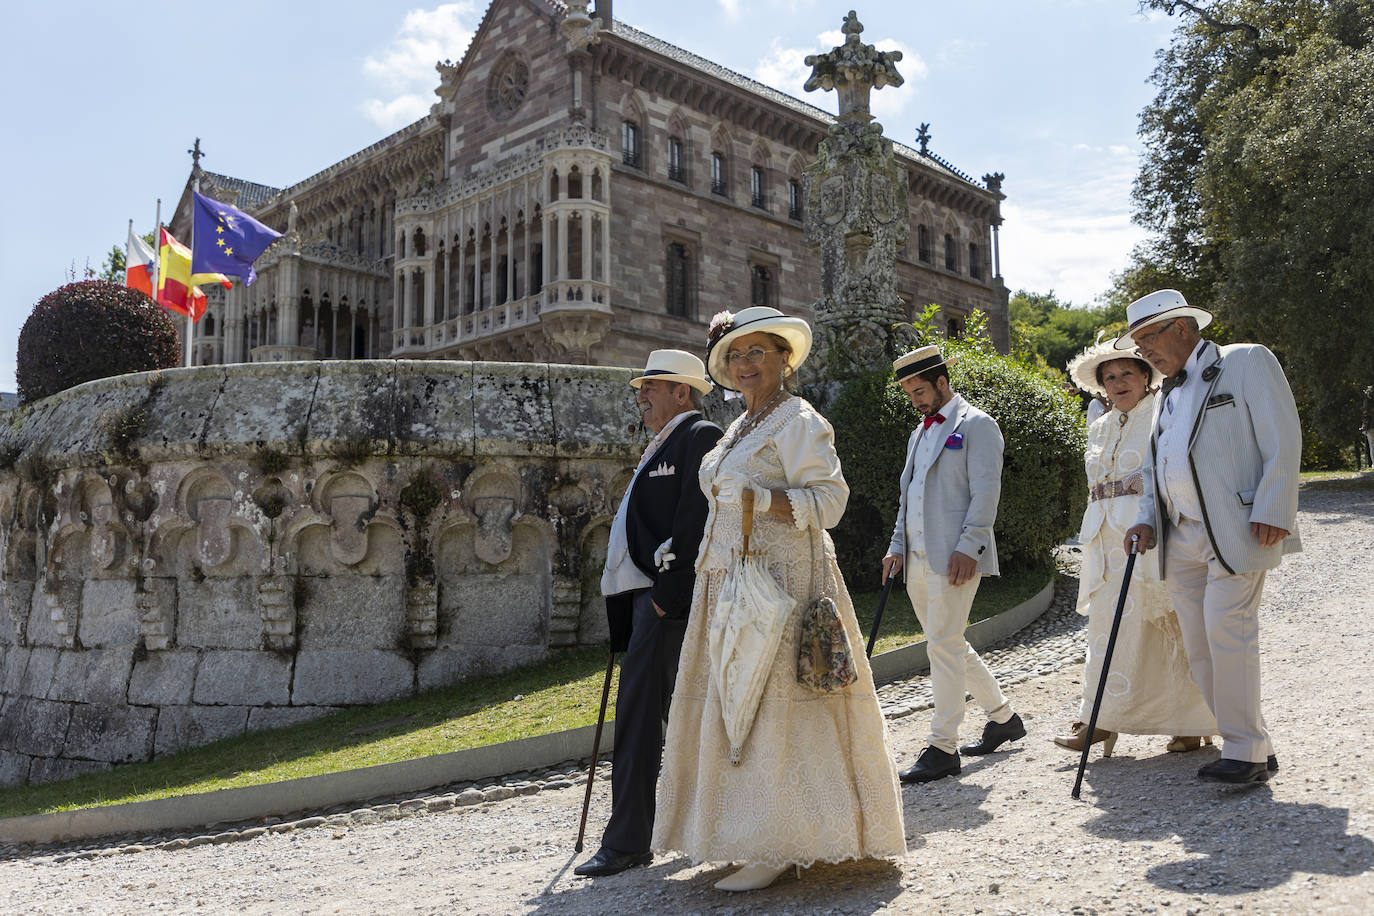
{"x": 745, "y": 631}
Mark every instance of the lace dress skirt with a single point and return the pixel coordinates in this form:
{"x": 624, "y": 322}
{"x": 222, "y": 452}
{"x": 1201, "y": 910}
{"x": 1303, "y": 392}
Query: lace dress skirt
{"x": 816, "y": 781}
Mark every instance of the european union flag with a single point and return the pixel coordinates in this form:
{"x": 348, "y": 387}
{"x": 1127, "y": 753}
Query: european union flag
{"x": 226, "y": 240}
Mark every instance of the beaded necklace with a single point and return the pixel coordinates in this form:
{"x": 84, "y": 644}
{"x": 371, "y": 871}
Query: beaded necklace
{"x": 750, "y": 422}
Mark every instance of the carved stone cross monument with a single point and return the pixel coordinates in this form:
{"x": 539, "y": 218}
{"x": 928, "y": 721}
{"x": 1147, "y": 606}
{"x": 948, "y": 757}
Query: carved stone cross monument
{"x": 856, "y": 213}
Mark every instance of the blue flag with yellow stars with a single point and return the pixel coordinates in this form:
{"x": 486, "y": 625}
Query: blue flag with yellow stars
{"x": 225, "y": 240}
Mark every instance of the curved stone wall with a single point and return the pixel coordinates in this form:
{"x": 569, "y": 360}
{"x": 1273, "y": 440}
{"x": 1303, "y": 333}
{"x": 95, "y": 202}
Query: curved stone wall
{"x": 197, "y": 553}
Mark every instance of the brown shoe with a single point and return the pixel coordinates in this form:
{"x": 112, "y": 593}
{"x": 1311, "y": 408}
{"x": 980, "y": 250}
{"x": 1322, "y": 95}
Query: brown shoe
{"x": 1182, "y": 744}
{"x": 1074, "y": 739}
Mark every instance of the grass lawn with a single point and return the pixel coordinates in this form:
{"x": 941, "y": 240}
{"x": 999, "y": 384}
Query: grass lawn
{"x": 1337, "y": 480}
{"x": 560, "y": 693}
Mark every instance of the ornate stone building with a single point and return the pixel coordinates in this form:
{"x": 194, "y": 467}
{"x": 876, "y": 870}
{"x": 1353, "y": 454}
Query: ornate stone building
{"x": 580, "y": 192}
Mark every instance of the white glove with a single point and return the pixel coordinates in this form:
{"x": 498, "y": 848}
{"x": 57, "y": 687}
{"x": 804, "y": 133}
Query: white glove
{"x": 663, "y": 556}
{"x": 730, "y": 488}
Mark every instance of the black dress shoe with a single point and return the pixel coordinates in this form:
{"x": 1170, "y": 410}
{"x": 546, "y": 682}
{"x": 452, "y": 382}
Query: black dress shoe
{"x": 995, "y": 734}
{"x": 1237, "y": 772}
{"x": 931, "y": 765}
{"x": 609, "y": 862}
{"x": 1272, "y": 764}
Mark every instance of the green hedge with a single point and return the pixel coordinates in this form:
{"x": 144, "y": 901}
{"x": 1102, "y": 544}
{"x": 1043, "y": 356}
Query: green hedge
{"x": 1044, "y": 488}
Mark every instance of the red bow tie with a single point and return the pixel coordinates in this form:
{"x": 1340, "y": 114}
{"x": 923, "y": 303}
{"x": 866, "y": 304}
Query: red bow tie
{"x": 931, "y": 420}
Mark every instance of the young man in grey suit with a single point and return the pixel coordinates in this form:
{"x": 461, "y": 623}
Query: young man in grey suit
{"x": 1221, "y": 494}
{"x": 950, "y": 486}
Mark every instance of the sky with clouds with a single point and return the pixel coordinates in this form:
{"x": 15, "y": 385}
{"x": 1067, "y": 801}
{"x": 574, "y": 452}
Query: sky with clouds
{"x": 104, "y": 105}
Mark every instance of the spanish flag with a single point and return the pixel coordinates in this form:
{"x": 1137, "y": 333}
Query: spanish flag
{"x": 176, "y": 287}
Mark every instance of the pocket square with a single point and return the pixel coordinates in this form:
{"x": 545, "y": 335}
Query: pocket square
{"x": 1217, "y": 400}
{"x": 955, "y": 440}
{"x": 663, "y": 470}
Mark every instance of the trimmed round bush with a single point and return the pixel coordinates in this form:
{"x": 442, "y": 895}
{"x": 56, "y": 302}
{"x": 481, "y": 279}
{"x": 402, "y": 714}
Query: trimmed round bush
{"x": 90, "y": 330}
{"x": 1044, "y": 487}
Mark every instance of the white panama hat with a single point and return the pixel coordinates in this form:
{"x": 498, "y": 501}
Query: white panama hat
{"x": 1083, "y": 367}
{"x": 674, "y": 366}
{"x": 1161, "y": 305}
{"x": 752, "y": 320}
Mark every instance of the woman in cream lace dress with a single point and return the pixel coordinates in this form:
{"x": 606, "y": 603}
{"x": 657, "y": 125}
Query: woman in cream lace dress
{"x": 815, "y": 781}
{"x": 1149, "y": 688}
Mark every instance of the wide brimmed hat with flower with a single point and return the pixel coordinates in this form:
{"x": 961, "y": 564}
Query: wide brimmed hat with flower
{"x": 1083, "y": 367}
{"x": 726, "y": 328}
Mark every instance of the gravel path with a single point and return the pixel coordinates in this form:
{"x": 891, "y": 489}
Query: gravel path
{"x": 1002, "y": 838}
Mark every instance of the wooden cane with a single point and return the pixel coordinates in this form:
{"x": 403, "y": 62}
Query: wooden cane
{"x": 747, "y": 498}
{"x": 596, "y": 751}
{"x": 1106, "y": 664}
{"x": 878, "y": 616}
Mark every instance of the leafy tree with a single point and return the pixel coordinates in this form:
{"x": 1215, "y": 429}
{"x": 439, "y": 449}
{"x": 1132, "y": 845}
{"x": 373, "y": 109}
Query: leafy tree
{"x": 1258, "y": 184}
{"x": 1047, "y": 333}
{"x": 114, "y": 267}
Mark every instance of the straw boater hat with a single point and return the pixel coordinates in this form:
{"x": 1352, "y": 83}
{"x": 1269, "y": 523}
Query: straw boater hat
{"x": 727, "y": 328}
{"x": 1160, "y": 305}
{"x": 674, "y": 366}
{"x": 1083, "y": 367}
{"x": 922, "y": 359}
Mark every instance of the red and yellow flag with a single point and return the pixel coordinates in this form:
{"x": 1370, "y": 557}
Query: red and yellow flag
{"x": 176, "y": 286}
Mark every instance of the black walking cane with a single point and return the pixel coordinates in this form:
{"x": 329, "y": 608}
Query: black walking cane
{"x": 596, "y": 751}
{"x": 1106, "y": 663}
{"x": 878, "y": 616}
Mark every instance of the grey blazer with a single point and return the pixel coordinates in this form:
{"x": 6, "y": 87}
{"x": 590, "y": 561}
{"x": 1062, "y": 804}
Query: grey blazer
{"x": 963, "y": 486}
{"x": 1243, "y": 451}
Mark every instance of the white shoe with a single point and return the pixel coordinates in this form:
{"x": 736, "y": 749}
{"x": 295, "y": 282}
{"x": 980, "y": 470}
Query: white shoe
{"x": 751, "y": 878}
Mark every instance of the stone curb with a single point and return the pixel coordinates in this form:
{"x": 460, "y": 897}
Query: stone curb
{"x": 268, "y": 803}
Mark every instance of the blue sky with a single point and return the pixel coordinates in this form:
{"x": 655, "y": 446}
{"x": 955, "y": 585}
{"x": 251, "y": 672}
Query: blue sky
{"x": 103, "y": 105}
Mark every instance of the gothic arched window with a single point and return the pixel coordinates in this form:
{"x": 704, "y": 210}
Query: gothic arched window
{"x": 677, "y": 279}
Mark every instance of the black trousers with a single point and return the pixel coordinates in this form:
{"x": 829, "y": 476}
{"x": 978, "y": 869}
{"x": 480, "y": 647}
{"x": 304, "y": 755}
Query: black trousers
{"x": 648, "y": 671}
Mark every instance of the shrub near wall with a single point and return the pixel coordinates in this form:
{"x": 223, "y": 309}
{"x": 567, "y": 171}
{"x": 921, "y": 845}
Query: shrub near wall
{"x": 1044, "y": 488}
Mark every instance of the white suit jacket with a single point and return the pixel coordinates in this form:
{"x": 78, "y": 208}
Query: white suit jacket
{"x": 1243, "y": 450}
{"x": 963, "y": 487}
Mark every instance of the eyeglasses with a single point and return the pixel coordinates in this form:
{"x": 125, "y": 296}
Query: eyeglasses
{"x": 1143, "y": 341}
{"x": 753, "y": 356}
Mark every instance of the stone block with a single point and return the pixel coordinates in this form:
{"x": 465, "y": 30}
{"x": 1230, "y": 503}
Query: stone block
{"x": 353, "y": 404}
{"x": 594, "y": 414}
{"x": 42, "y": 630}
{"x": 262, "y": 718}
{"x": 118, "y": 734}
{"x": 14, "y": 768}
{"x": 108, "y": 614}
{"x": 38, "y": 674}
{"x": 446, "y": 667}
{"x": 493, "y": 609}
{"x": 512, "y": 410}
{"x": 178, "y": 414}
{"x": 74, "y": 426}
{"x": 163, "y": 678}
{"x": 334, "y": 616}
{"x": 345, "y": 677}
{"x": 229, "y": 678}
{"x": 433, "y": 408}
{"x": 56, "y": 769}
{"x": 219, "y": 614}
{"x": 256, "y": 408}
{"x": 93, "y": 675}
{"x": 34, "y": 727}
{"x": 180, "y": 727}
{"x": 12, "y": 674}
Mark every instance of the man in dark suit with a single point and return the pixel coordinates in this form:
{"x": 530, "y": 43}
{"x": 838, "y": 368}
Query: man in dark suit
{"x": 648, "y": 580}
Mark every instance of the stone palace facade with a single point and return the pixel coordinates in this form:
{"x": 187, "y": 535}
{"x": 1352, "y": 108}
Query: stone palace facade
{"x": 581, "y": 192}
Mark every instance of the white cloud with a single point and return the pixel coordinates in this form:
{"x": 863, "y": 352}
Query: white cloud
{"x": 731, "y": 8}
{"x": 1070, "y": 236}
{"x": 785, "y": 69}
{"x": 404, "y": 69}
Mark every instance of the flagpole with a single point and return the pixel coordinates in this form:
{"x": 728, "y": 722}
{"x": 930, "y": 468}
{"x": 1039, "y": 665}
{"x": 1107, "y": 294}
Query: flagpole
{"x": 190, "y": 291}
{"x": 157, "y": 249}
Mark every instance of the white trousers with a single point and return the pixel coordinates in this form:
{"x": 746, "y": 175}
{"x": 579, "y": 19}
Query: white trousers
{"x": 1217, "y": 613}
{"x": 943, "y": 611}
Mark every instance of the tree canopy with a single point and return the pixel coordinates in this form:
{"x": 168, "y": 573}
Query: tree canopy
{"x": 1258, "y": 185}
